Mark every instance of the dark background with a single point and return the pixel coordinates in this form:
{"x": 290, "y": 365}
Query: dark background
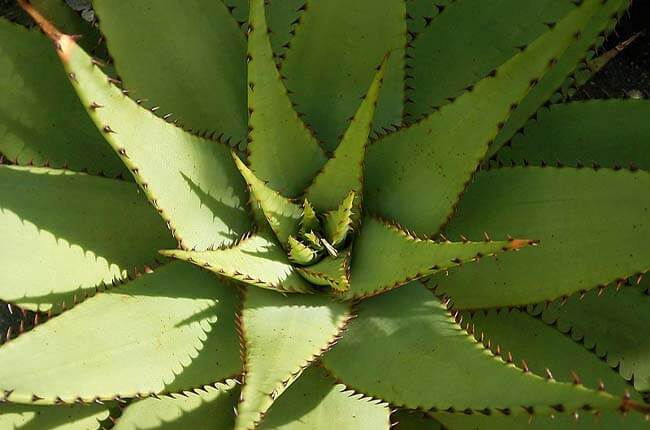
{"x": 627, "y": 75}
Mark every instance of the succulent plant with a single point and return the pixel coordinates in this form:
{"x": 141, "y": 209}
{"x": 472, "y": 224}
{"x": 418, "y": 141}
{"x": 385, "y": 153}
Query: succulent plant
{"x": 297, "y": 246}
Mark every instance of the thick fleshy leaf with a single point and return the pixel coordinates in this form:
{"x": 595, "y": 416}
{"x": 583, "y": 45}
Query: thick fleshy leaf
{"x": 309, "y": 221}
{"x": 282, "y": 150}
{"x": 282, "y": 214}
{"x": 315, "y": 401}
{"x": 330, "y": 271}
{"x": 585, "y": 421}
{"x": 327, "y": 91}
{"x": 420, "y": 14}
{"x": 414, "y": 420}
{"x": 386, "y": 256}
{"x": 555, "y": 79}
{"x": 337, "y": 223}
{"x": 427, "y": 361}
{"x": 282, "y": 335}
{"x": 204, "y": 57}
{"x": 41, "y": 119}
{"x": 300, "y": 253}
{"x": 415, "y": 176}
{"x": 68, "y": 417}
{"x": 437, "y": 73}
{"x": 343, "y": 172}
{"x": 192, "y": 181}
{"x": 542, "y": 347}
{"x": 454, "y": 51}
{"x": 611, "y": 324}
{"x": 571, "y": 212}
{"x": 608, "y": 132}
{"x": 64, "y": 234}
{"x": 256, "y": 260}
{"x": 164, "y": 332}
{"x": 208, "y": 408}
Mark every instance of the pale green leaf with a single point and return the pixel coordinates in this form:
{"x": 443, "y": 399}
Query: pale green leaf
{"x": 256, "y": 260}
{"x": 164, "y": 332}
{"x": 210, "y": 407}
{"x": 332, "y": 59}
{"x": 192, "y": 181}
{"x": 282, "y": 336}
{"x": 427, "y": 361}
{"x": 592, "y": 226}
{"x": 416, "y": 175}
{"x": 282, "y": 150}
{"x": 315, "y": 401}
{"x": 64, "y": 234}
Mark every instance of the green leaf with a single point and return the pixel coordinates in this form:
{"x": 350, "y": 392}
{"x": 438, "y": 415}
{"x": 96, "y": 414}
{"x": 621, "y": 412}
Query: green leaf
{"x": 65, "y": 234}
{"x": 283, "y": 16}
{"x": 415, "y": 176}
{"x": 610, "y": 323}
{"x": 300, "y": 253}
{"x": 282, "y": 214}
{"x": 414, "y": 420}
{"x": 315, "y": 401}
{"x": 414, "y": 341}
{"x": 309, "y": 221}
{"x": 527, "y": 338}
{"x": 386, "y": 257}
{"x": 585, "y": 421}
{"x": 164, "y": 332}
{"x": 343, "y": 172}
{"x": 41, "y": 119}
{"x": 337, "y": 224}
{"x": 542, "y": 347}
{"x": 608, "y": 132}
{"x": 454, "y": 51}
{"x": 211, "y": 407}
{"x": 591, "y": 36}
{"x": 204, "y": 55}
{"x": 328, "y": 91}
{"x": 68, "y": 417}
{"x": 420, "y": 14}
{"x": 281, "y": 148}
{"x": 256, "y": 259}
{"x": 330, "y": 271}
{"x": 282, "y": 335}
{"x": 570, "y": 211}
{"x": 192, "y": 181}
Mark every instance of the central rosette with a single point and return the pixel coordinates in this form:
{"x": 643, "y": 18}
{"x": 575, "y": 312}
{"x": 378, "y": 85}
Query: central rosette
{"x": 317, "y": 240}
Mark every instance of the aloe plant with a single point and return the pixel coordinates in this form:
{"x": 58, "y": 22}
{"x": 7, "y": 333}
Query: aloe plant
{"x": 320, "y": 215}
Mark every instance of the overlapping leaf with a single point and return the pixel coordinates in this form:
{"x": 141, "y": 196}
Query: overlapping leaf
{"x": 571, "y": 212}
{"x": 608, "y": 132}
{"x": 203, "y": 56}
{"x": 416, "y": 344}
{"x": 31, "y": 82}
{"x": 191, "y": 181}
{"x": 281, "y": 337}
{"x": 64, "y": 234}
{"x": 415, "y": 176}
{"x": 386, "y": 257}
{"x": 327, "y": 91}
{"x": 208, "y": 408}
{"x": 166, "y": 331}
{"x": 282, "y": 150}
{"x": 315, "y": 401}
{"x": 256, "y": 260}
